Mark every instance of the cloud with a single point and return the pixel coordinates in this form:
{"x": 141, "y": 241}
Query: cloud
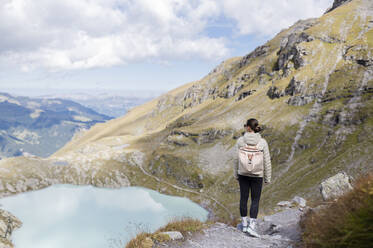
{"x": 266, "y": 18}
{"x": 72, "y": 34}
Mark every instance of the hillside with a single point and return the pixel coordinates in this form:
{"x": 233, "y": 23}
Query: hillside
{"x": 41, "y": 126}
{"x": 311, "y": 87}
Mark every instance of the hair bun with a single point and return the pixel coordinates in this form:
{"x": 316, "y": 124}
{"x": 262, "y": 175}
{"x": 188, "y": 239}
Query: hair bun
{"x": 257, "y": 129}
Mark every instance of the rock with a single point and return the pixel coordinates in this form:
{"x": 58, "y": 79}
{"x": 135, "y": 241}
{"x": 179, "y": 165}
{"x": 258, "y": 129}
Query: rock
{"x": 294, "y": 87}
{"x": 274, "y": 92}
{"x": 262, "y": 70}
{"x": 174, "y": 235}
{"x": 335, "y": 186}
{"x": 8, "y": 223}
{"x": 258, "y": 52}
{"x": 284, "y": 204}
{"x": 336, "y": 4}
{"x": 300, "y": 201}
{"x": 301, "y": 100}
{"x": 231, "y": 90}
{"x": 212, "y": 134}
{"x": 290, "y": 52}
{"x": 245, "y": 94}
{"x": 284, "y": 223}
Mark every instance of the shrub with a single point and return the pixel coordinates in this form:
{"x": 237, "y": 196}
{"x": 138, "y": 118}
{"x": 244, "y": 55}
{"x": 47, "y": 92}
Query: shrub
{"x": 347, "y": 222}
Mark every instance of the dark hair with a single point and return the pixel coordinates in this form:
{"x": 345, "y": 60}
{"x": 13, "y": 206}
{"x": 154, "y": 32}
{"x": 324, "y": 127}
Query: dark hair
{"x": 253, "y": 124}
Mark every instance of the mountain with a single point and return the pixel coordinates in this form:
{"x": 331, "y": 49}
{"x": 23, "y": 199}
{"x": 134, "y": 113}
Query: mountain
{"x": 310, "y": 87}
{"x": 107, "y": 103}
{"x": 41, "y": 126}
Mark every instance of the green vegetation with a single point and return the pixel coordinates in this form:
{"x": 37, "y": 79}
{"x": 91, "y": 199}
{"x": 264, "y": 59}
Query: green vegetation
{"x": 347, "y": 222}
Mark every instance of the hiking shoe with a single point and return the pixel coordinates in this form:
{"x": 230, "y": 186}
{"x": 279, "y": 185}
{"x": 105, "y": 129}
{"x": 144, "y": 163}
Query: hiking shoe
{"x": 244, "y": 228}
{"x": 252, "y": 232}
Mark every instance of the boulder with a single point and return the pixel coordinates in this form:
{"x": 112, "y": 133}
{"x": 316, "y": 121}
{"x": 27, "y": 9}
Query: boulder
{"x": 174, "y": 235}
{"x": 301, "y": 202}
{"x": 335, "y": 186}
{"x": 284, "y": 204}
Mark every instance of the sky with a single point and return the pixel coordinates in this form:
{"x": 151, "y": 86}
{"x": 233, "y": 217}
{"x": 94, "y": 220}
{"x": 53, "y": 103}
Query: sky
{"x": 134, "y": 45}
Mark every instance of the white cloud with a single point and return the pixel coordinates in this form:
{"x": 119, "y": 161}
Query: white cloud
{"x": 72, "y": 34}
{"x": 76, "y": 34}
{"x": 268, "y": 17}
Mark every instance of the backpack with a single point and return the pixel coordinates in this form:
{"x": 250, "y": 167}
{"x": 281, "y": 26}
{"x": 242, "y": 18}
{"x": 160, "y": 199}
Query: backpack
{"x": 251, "y": 159}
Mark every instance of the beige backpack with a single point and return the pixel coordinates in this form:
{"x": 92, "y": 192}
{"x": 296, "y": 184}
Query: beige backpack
{"x": 250, "y": 159}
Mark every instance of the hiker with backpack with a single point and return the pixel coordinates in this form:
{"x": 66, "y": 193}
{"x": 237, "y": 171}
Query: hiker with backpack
{"x": 251, "y": 166}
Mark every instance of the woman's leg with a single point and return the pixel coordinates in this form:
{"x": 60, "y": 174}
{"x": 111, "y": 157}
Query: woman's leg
{"x": 244, "y": 194}
{"x": 256, "y": 190}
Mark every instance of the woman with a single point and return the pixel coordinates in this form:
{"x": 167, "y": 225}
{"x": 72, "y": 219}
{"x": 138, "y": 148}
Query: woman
{"x": 252, "y": 181}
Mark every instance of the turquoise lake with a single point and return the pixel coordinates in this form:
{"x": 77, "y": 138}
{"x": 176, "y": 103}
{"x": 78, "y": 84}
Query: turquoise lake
{"x": 77, "y": 216}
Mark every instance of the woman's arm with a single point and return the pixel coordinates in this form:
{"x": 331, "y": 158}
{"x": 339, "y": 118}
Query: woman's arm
{"x": 235, "y": 161}
{"x": 267, "y": 163}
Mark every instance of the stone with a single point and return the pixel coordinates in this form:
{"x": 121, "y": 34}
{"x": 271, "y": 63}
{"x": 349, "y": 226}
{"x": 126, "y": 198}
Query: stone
{"x": 258, "y": 52}
{"x": 174, "y": 235}
{"x": 300, "y": 201}
{"x": 245, "y": 94}
{"x": 284, "y": 204}
{"x": 291, "y": 52}
{"x": 301, "y": 100}
{"x": 335, "y": 186}
{"x": 231, "y": 90}
{"x": 274, "y": 92}
{"x": 294, "y": 87}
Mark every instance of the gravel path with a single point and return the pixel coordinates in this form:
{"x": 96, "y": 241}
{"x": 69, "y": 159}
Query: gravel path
{"x": 278, "y": 230}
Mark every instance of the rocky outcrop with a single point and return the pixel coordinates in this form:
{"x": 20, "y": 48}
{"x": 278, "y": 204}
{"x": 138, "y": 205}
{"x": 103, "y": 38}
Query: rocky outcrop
{"x": 206, "y": 136}
{"x": 244, "y": 94}
{"x": 336, "y": 4}
{"x": 359, "y": 54}
{"x": 295, "y": 87}
{"x": 290, "y": 54}
{"x": 335, "y": 186}
{"x": 274, "y": 92}
{"x": 8, "y": 223}
{"x": 231, "y": 89}
{"x": 258, "y": 52}
{"x": 297, "y": 92}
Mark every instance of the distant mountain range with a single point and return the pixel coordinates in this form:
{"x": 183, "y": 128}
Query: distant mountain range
{"x": 104, "y": 103}
{"x": 41, "y": 126}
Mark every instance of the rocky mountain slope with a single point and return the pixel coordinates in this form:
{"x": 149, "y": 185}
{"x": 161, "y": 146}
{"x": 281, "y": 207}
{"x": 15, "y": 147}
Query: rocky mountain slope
{"x": 311, "y": 87}
{"x": 41, "y": 126}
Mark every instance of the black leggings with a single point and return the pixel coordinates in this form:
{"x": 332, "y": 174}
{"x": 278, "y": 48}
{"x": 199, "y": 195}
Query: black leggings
{"x": 255, "y": 184}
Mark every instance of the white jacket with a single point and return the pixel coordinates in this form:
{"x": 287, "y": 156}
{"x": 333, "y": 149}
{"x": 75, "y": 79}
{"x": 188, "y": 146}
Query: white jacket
{"x": 253, "y": 139}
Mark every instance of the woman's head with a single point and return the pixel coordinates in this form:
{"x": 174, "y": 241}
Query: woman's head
{"x": 252, "y": 125}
